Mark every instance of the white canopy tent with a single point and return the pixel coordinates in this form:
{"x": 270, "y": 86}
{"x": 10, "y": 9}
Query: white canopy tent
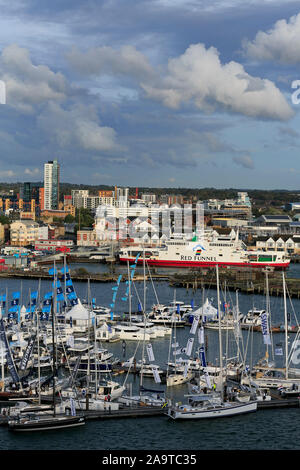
{"x": 80, "y": 315}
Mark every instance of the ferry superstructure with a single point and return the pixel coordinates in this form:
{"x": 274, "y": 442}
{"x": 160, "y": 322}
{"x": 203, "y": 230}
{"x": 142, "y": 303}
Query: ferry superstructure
{"x": 209, "y": 250}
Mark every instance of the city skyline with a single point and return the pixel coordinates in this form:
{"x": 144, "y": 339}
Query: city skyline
{"x": 152, "y": 94}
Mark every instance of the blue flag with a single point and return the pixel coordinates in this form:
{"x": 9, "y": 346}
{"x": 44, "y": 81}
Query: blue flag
{"x": 52, "y": 271}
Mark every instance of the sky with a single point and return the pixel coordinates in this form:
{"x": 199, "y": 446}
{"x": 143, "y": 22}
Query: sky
{"x": 152, "y": 93}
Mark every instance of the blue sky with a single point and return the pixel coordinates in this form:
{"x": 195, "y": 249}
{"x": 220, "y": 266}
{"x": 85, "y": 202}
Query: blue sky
{"x": 167, "y": 93}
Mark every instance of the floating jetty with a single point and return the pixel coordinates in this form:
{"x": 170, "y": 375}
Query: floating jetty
{"x": 245, "y": 280}
{"x": 152, "y": 411}
{"x": 128, "y": 412}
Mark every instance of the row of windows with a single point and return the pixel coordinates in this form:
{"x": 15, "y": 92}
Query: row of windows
{"x": 176, "y": 243}
{"x": 221, "y": 244}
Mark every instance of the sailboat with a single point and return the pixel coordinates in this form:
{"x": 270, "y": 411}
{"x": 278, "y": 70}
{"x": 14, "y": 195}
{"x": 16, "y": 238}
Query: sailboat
{"x": 211, "y": 405}
{"x": 145, "y": 397}
{"x": 272, "y": 377}
{"x": 42, "y": 422}
{"x": 181, "y": 373}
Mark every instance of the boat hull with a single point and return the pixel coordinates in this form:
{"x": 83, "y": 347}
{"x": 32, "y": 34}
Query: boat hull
{"x": 27, "y": 425}
{"x": 217, "y": 412}
{"x": 202, "y": 264}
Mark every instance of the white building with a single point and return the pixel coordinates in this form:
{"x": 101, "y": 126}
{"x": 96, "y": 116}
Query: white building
{"x": 51, "y": 185}
{"x": 78, "y": 196}
{"x": 286, "y": 243}
{"x": 24, "y": 232}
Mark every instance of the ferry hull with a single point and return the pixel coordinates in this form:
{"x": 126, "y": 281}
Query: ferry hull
{"x": 202, "y": 264}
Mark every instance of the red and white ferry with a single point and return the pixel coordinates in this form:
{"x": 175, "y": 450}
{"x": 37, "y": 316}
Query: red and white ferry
{"x": 210, "y": 250}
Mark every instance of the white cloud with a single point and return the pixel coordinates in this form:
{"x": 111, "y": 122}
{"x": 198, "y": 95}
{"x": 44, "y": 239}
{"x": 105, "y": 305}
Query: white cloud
{"x": 77, "y": 127}
{"x": 7, "y": 174}
{"x": 32, "y": 172}
{"x": 106, "y": 60}
{"x": 66, "y": 124}
{"x": 198, "y": 77}
{"x": 28, "y": 84}
{"x": 279, "y": 44}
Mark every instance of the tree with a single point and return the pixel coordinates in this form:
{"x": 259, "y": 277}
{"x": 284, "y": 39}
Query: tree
{"x": 4, "y": 220}
{"x": 84, "y": 218}
{"x": 69, "y": 219}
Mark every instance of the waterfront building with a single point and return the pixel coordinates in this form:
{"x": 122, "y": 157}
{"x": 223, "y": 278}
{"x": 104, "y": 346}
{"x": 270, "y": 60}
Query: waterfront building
{"x": 279, "y": 242}
{"x": 279, "y": 220}
{"x": 52, "y": 245}
{"x": 24, "y": 232}
{"x": 87, "y": 237}
{"x": 228, "y": 222}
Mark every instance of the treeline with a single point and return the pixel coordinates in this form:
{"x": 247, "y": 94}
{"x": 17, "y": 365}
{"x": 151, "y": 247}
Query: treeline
{"x": 259, "y": 197}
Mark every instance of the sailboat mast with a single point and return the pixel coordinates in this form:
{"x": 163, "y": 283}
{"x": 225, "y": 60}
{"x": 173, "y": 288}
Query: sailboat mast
{"x": 2, "y": 358}
{"x": 220, "y": 332}
{"x": 129, "y": 292}
{"x": 237, "y": 326}
{"x": 53, "y": 353}
{"x": 285, "y": 327}
{"x": 144, "y": 311}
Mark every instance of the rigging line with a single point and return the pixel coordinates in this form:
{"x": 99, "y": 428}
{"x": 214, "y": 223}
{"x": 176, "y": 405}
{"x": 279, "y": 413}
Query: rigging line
{"x": 292, "y": 306}
{"x": 125, "y": 380}
{"x": 152, "y": 282}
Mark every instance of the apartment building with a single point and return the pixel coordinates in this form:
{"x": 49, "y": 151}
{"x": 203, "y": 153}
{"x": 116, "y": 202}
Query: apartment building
{"x": 24, "y": 232}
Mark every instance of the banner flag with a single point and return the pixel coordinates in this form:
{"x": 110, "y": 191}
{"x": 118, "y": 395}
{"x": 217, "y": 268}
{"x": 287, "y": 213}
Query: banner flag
{"x": 189, "y": 346}
{"x": 202, "y": 355}
{"x": 194, "y": 324}
{"x": 201, "y": 335}
{"x": 9, "y": 359}
{"x": 265, "y": 329}
{"x": 115, "y": 289}
{"x": 52, "y": 271}
{"x": 156, "y": 375}
{"x": 73, "y": 408}
{"x": 27, "y": 353}
{"x": 150, "y": 352}
{"x": 186, "y": 368}
{"x": 44, "y": 316}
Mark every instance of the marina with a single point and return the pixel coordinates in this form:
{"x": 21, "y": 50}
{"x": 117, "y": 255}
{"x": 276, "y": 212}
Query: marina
{"x": 149, "y": 232}
{"x": 148, "y": 408}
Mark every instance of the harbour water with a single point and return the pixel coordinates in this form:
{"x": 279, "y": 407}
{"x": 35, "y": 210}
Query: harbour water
{"x": 266, "y": 429}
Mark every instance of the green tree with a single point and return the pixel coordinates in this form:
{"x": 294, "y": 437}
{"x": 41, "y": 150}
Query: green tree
{"x": 69, "y": 219}
{"x": 84, "y": 218}
{"x": 4, "y": 220}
